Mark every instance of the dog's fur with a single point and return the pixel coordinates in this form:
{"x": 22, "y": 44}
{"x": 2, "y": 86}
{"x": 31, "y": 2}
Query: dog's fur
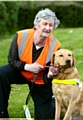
{"x": 67, "y": 96}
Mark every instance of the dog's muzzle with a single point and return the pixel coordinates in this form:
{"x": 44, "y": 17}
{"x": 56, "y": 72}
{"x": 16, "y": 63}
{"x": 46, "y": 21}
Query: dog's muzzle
{"x": 68, "y": 62}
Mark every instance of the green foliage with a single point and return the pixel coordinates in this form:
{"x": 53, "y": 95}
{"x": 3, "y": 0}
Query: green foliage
{"x": 3, "y": 19}
{"x": 12, "y": 11}
{"x": 26, "y": 15}
{"x": 70, "y": 14}
{"x": 8, "y": 17}
{"x": 15, "y": 15}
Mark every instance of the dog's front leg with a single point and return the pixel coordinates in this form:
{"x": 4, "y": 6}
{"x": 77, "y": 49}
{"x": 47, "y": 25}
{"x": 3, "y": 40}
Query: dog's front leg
{"x": 69, "y": 111}
{"x": 58, "y": 110}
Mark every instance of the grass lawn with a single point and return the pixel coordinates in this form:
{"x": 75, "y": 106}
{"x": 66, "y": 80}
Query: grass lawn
{"x": 71, "y": 38}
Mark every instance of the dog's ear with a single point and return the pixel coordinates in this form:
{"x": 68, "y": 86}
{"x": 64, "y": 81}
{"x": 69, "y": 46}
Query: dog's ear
{"x": 74, "y": 61}
{"x": 52, "y": 59}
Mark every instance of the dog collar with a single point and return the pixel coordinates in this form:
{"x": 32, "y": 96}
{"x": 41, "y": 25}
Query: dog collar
{"x": 68, "y": 81}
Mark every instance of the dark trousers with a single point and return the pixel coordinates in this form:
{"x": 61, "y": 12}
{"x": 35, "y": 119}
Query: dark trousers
{"x": 41, "y": 94}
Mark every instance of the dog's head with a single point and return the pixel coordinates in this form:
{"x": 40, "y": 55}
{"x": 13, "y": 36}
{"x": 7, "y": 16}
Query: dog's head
{"x": 63, "y": 57}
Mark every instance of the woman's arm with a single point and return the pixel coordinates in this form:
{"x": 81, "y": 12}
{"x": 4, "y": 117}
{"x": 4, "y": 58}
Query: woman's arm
{"x": 13, "y": 58}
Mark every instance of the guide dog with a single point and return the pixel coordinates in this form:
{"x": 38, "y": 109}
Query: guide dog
{"x": 66, "y": 85}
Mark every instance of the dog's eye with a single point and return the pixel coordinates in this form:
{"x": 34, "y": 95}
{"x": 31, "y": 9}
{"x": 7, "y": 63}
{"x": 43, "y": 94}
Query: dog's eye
{"x": 69, "y": 54}
{"x": 61, "y": 55}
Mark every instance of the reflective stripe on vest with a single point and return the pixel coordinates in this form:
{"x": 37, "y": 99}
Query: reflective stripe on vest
{"x": 23, "y": 41}
{"x": 52, "y": 43}
{"x": 22, "y": 44}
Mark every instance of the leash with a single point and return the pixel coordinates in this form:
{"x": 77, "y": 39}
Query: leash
{"x": 29, "y": 95}
{"x": 26, "y": 109}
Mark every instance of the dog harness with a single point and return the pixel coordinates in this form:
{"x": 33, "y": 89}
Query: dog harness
{"x": 68, "y": 81}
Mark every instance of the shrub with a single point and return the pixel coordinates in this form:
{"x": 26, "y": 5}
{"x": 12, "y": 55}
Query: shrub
{"x": 3, "y": 19}
{"x": 12, "y": 11}
{"x": 70, "y": 15}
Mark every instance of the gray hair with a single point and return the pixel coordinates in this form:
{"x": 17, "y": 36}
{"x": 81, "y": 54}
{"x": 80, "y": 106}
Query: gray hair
{"x": 46, "y": 14}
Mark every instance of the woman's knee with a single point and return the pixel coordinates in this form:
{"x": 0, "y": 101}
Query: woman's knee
{"x": 6, "y": 73}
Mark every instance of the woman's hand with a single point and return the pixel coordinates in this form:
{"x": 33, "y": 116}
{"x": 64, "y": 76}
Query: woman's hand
{"x": 53, "y": 71}
{"x": 34, "y": 68}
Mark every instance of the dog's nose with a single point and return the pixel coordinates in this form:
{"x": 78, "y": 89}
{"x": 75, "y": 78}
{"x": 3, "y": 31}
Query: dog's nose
{"x": 68, "y": 62}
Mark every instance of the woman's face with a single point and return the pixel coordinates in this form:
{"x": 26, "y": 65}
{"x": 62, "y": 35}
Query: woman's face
{"x": 45, "y": 27}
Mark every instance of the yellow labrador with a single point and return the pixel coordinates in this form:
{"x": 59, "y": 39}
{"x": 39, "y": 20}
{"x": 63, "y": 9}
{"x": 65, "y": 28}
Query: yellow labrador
{"x": 66, "y": 86}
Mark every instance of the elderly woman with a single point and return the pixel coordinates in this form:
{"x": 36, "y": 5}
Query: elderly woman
{"x": 29, "y": 55}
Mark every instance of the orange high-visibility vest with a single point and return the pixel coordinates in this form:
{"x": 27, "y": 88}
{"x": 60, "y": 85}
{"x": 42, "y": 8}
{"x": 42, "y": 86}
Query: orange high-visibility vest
{"x": 25, "y": 45}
